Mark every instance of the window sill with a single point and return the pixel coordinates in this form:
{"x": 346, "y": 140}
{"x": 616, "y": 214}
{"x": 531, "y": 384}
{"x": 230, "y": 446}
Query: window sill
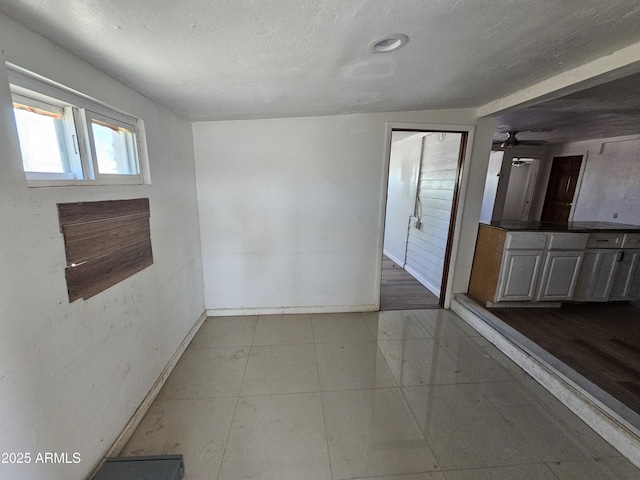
{"x": 86, "y": 183}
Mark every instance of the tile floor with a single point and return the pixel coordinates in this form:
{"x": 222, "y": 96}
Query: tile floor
{"x": 397, "y": 395}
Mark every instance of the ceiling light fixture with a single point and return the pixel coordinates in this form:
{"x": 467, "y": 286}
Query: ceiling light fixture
{"x": 511, "y": 140}
{"x": 388, "y": 43}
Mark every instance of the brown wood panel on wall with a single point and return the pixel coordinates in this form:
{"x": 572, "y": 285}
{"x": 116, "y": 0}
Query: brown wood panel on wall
{"x": 105, "y": 242}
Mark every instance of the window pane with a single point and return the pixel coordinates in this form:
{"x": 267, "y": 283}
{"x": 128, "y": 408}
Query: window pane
{"x": 114, "y": 146}
{"x": 42, "y": 143}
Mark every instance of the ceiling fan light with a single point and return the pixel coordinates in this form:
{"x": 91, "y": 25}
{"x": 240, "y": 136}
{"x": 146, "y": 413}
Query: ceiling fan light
{"x": 511, "y": 141}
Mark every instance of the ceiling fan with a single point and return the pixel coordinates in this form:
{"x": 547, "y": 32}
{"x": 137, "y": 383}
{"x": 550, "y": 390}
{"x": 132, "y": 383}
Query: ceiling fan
{"x": 512, "y": 142}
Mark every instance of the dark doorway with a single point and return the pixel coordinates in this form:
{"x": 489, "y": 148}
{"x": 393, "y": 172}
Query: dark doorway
{"x": 561, "y": 188}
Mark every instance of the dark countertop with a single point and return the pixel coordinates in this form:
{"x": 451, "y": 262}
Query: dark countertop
{"x": 513, "y": 225}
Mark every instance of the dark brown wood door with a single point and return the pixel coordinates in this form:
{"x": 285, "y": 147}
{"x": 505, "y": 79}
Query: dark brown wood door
{"x": 561, "y": 188}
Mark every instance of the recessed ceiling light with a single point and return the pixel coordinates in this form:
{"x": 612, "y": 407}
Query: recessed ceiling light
{"x": 388, "y": 43}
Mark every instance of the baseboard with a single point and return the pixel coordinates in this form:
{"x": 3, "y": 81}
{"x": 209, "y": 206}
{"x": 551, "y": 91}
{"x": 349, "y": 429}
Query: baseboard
{"x": 524, "y": 304}
{"x": 139, "y": 414}
{"x": 609, "y": 424}
{"x": 425, "y": 283}
{"x": 396, "y": 260}
{"x": 229, "y": 312}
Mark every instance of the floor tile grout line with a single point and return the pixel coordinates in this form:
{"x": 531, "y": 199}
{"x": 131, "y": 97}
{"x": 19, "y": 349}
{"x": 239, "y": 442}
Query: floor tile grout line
{"x": 364, "y": 321}
{"x": 255, "y": 329}
{"x": 553, "y": 420}
{"x": 386, "y": 362}
{"x": 324, "y": 417}
{"x": 507, "y": 421}
{"x": 313, "y": 336}
{"x": 310, "y": 392}
{"x": 288, "y": 343}
{"x": 235, "y": 409}
{"x": 551, "y": 470}
{"x": 439, "y": 345}
{"x": 244, "y": 371}
{"x": 302, "y": 392}
{"x": 541, "y": 460}
{"x": 182, "y": 399}
{"x": 393, "y": 475}
{"x": 510, "y": 465}
{"x": 419, "y": 425}
{"x": 226, "y": 442}
{"x": 348, "y": 341}
{"x": 281, "y": 344}
{"x": 374, "y": 335}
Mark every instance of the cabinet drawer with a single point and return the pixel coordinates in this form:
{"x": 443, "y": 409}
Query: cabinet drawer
{"x": 526, "y": 241}
{"x": 631, "y": 240}
{"x": 568, "y": 241}
{"x": 604, "y": 240}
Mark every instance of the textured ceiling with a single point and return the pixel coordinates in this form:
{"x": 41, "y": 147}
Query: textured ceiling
{"x": 608, "y": 110}
{"x": 233, "y": 59}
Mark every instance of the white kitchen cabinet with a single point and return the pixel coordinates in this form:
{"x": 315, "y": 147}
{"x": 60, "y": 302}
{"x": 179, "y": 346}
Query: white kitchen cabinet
{"x": 559, "y": 276}
{"x": 596, "y": 276}
{"x": 626, "y": 279}
{"x": 610, "y": 274}
{"x": 512, "y": 267}
{"x": 562, "y": 263}
{"x": 519, "y": 276}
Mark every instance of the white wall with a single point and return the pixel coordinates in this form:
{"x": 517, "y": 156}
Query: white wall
{"x": 610, "y": 180}
{"x": 291, "y": 210}
{"x": 438, "y": 179}
{"x": 71, "y": 375}
{"x": 406, "y": 150}
{"x": 491, "y": 186}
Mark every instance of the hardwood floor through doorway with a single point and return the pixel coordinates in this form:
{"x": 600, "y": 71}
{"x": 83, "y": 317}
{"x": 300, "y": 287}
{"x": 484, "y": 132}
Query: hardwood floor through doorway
{"x": 400, "y": 291}
{"x": 599, "y": 341}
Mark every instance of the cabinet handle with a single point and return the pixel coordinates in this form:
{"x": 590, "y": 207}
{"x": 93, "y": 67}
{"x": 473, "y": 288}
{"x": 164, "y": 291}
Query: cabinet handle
{"x": 620, "y": 255}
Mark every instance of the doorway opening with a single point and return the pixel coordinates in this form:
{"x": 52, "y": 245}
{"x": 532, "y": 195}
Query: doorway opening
{"x": 514, "y": 186}
{"x": 522, "y": 180}
{"x": 563, "y": 180}
{"x": 422, "y": 193}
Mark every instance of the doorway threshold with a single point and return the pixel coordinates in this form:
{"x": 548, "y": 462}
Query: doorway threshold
{"x": 607, "y": 416}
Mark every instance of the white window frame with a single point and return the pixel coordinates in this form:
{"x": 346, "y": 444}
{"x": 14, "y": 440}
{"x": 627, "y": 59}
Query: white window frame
{"x": 89, "y": 116}
{"x": 67, "y": 113}
{"x": 79, "y": 110}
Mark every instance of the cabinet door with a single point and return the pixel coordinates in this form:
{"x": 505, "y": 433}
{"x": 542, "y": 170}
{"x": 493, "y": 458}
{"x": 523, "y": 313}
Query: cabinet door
{"x": 519, "y": 275}
{"x": 596, "y": 276}
{"x": 626, "y": 278}
{"x": 559, "y": 275}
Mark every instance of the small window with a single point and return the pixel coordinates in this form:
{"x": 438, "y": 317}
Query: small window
{"x": 113, "y": 145}
{"x": 67, "y": 139}
{"x": 43, "y": 130}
